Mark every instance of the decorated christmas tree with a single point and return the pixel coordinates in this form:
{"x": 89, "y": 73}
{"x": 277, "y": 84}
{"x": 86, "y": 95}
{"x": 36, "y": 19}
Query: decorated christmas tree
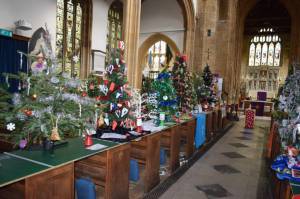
{"x": 183, "y": 84}
{"x": 48, "y": 105}
{"x": 163, "y": 98}
{"x": 207, "y": 76}
{"x": 115, "y": 93}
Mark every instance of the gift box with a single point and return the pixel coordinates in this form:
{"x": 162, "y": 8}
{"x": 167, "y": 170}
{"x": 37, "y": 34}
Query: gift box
{"x": 249, "y": 120}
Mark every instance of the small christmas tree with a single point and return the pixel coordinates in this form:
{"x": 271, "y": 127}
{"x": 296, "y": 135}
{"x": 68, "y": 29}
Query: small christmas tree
{"x": 183, "y": 84}
{"x": 164, "y": 95}
{"x": 115, "y": 93}
{"x": 207, "y": 76}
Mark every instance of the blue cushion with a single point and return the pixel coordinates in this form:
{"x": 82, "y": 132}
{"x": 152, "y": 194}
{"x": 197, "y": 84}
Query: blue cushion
{"x": 162, "y": 156}
{"x": 85, "y": 189}
{"x": 134, "y": 171}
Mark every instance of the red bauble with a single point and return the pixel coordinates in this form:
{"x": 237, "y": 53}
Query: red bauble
{"x": 98, "y": 98}
{"x": 105, "y": 82}
{"x": 28, "y": 112}
{"x": 84, "y": 94}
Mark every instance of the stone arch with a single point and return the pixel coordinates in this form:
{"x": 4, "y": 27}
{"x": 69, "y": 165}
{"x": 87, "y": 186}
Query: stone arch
{"x": 144, "y": 49}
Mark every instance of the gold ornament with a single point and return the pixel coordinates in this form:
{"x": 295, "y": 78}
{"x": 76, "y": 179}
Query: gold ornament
{"x": 55, "y": 135}
{"x": 34, "y": 96}
{"x": 100, "y": 121}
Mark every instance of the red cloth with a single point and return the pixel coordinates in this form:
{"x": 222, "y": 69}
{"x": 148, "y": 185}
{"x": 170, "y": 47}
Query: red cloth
{"x": 249, "y": 120}
{"x": 296, "y": 197}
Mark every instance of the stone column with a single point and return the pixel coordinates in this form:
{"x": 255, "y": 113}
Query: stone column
{"x": 132, "y": 14}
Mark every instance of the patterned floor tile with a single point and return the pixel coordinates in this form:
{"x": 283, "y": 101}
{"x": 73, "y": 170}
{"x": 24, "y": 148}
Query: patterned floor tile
{"x": 226, "y": 169}
{"x": 233, "y": 155}
{"x": 214, "y": 191}
{"x": 239, "y": 145}
{"x": 244, "y": 138}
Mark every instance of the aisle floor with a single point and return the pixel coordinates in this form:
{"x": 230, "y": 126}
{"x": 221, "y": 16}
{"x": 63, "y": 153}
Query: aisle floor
{"x": 233, "y": 168}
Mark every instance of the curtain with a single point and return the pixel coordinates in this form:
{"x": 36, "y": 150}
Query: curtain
{"x": 10, "y": 59}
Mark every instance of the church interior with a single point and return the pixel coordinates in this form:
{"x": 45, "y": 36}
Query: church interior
{"x": 130, "y": 99}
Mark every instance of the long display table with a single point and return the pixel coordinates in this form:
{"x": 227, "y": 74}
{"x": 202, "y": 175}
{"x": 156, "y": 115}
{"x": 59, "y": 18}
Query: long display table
{"x": 51, "y": 175}
{"x": 42, "y": 174}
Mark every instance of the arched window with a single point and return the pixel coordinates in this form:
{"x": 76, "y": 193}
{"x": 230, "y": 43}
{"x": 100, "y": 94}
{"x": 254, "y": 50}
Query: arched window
{"x": 158, "y": 54}
{"x": 265, "y": 48}
{"x": 114, "y": 27}
{"x": 68, "y": 35}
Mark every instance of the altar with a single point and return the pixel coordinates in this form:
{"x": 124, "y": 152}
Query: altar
{"x": 263, "y": 108}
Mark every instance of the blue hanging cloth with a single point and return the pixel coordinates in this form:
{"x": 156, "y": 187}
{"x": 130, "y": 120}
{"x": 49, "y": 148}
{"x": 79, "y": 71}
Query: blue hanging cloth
{"x": 200, "y": 130}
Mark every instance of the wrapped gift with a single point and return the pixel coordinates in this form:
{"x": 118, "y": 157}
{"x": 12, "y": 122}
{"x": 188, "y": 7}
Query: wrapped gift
{"x": 249, "y": 120}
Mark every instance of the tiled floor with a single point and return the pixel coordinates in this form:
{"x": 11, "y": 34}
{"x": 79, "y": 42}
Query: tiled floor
{"x": 232, "y": 168}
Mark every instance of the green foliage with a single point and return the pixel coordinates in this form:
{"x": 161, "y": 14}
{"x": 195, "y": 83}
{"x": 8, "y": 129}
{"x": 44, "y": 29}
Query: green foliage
{"x": 202, "y": 91}
{"x": 165, "y": 93}
{"x": 48, "y": 101}
{"x": 183, "y": 84}
{"x": 207, "y": 76}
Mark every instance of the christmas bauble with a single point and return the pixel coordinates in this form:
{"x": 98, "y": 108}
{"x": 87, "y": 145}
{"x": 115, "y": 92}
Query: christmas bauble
{"x": 34, "y": 96}
{"x": 84, "y": 94}
{"x": 165, "y": 98}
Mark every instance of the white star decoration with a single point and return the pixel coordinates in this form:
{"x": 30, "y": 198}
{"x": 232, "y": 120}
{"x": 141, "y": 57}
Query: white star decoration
{"x": 11, "y": 126}
{"x": 75, "y": 59}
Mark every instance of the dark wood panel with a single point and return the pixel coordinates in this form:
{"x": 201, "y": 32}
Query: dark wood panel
{"x": 187, "y": 131}
{"x": 54, "y": 184}
{"x": 117, "y": 176}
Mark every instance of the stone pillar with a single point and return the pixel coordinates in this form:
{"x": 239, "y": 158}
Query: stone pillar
{"x": 132, "y": 14}
{"x": 199, "y": 35}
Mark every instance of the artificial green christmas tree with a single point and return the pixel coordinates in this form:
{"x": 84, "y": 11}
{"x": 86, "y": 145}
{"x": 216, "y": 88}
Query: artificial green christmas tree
{"x": 183, "y": 84}
{"x": 163, "y": 94}
{"x": 115, "y": 93}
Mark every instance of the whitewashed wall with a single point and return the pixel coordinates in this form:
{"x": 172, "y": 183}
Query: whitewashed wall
{"x": 37, "y": 12}
{"x": 163, "y": 16}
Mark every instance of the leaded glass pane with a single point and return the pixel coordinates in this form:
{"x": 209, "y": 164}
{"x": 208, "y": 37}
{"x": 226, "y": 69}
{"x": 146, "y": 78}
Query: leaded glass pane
{"x": 258, "y": 55}
{"x": 264, "y": 56}
{"x": 251, "y": 55}
{"x": 277, "y": 54}
{"x": 271, "y": 54}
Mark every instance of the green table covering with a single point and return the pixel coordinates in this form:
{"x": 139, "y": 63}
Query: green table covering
{"x": 14, "y": 169}
{"x": 295, "y": 186}
{"x": 72, "y": 151}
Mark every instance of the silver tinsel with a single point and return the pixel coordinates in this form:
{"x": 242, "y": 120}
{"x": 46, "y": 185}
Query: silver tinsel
{"x": 16, "y": 99}
{"x": 73, "y": 83}
{"x": 54, "y": 80}
{"x": 21, "y": 116}
{"x": 46, "y": 99}
{"x": 78, "y": 99}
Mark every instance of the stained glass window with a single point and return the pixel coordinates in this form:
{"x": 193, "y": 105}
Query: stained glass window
{"x": 271, "y": 54}
{"x": 252, "y": 55}
{"x": 277, "y": 54}
{"x": 264, "y": 55}
{"x": 265, "y": 48}
{"x": 158, "y": 54}
{"x": 114, "y": 27}
{"x": 258, "y": 55}
{"x": 68, "y": 35}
